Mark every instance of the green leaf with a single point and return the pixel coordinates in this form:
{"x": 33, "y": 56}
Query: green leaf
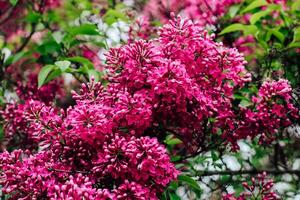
{"x": 233, "y": 28}
{"x": 245, "y": 103}
{"x": 84, "y": 29}
{"x": 33, "y": 17}
{"x": 54, "y": 74}
{"x": 164, "y": 196}
{"x": 48, "y": 47}
{"x": 82, "y": 60}
{"x": 44, "y": 73}
{"x": 174, "y": 196}
{"x": 1, "y": 132}
{"x": 112, "y": 16}
{"x": 13, "y": 2}
{"x": 277, "y": 34}
{"x": 214, "y": 155}
{"x": 296, "y": 6}
{"x": 294, "y": 45}
{"x": 261, "y": 40}
{"x": 257, "y": 16}
{"x": 255, "y": 4}
{"x": 111, "y": 3}
{"x": 240, "y": 97}
{"x": 175, "y": 158}
{"x": 171, "y": 140}
{"x": 250, "y": 30}
{"x": 173, "y": 185}
{"x": 15, "y": 58}
{"x": 296, "y": 34}
{"x": 233, "y": 10}
{"x": 189, "y": 181}
{"x": 63, "y": 65}
{"x": 58, "y": 36}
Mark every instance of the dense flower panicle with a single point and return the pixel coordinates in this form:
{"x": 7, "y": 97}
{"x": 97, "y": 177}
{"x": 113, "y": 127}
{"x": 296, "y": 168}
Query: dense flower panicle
{"x": 142, "y": 160}
{"x": 150, "y": 153}
{"x": 91, "y": 122}
{"x": 73, "y": 151}
{"x": 81, "y": 141}
{"x": 273, "y": 111}
{"x": 30, "y": 123}
{"x": 25, "y": 178}
{"x": 186, "y": 76}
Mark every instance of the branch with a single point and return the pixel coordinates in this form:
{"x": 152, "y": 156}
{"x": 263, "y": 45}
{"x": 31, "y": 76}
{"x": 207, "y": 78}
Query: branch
{"x": 249, "y": 172}
{"x": 27, "y": 39}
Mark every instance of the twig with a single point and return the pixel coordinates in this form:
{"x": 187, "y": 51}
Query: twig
{"x": 251, "y": 172}
{"x": 27, "y": 39}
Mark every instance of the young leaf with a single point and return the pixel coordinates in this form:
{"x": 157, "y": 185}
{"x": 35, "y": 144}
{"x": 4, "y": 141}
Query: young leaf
{"x": 174, "y": 196}
{"x": 255, "y": 4}
{"x": 233, "y": 28}
{"x": 190, "y": 182}
{"x": 257, "y": 16}
{"x": 63, "y": 65}
{"x": 233, "y": 10}
{"x": 84, "y": 29}
{"x": 33, "y": 17}
{"x": 296, "y": 5}
{"x": 296, "y": 34}
{"x": 82, "y": 60}
{"x": 277, "y": 34}
{"x": 294, "y": 45}
{"x": 13, "y": 2}
{"x": 14, "y": 58}
{"x": 45, "y": 71}
{"x": 173, "y": 141}
{"x": 250, "y": 30}
{"x": 55, "y": 73}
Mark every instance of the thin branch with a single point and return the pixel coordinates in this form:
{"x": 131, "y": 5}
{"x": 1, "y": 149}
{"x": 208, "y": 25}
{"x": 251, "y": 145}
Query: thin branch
{"x": 249, "y": 172}
{"x": 27, "y": 39}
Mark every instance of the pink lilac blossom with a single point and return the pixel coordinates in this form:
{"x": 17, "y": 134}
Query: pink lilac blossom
{"x": 111, "y": 162}
{"x": 273, "y": 110}
{"x": 27, "y": 124}
{"x": 186, "y": 76}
